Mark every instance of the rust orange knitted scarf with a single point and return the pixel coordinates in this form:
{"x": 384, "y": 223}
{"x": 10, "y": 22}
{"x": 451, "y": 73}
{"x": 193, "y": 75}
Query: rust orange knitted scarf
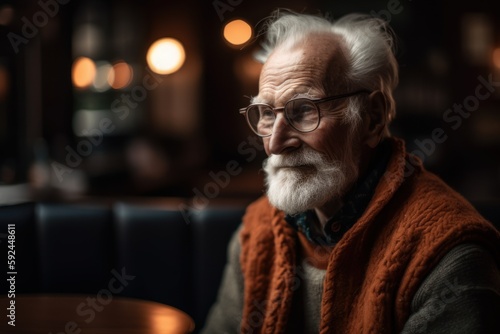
{"x": 374, "y": 270}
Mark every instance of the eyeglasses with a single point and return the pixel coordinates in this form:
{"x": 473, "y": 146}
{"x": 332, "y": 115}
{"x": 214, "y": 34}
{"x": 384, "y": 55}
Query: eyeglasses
{"x": 301, "y": 113}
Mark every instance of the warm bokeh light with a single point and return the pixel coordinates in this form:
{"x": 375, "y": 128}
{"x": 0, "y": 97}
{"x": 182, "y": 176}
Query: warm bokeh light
{"x": 121, "y": 75}
{"x": 103, "y": 73}
{"x": 6, "y": 15}
{"x": 496, "y": 58}
{"x": 83, "y": 72}
{"x": 166, "y": 56}
{"x": 237, "y": 32}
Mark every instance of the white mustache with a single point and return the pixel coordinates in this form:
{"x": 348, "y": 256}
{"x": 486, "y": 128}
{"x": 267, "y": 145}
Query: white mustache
{"x": 302, "y": 158}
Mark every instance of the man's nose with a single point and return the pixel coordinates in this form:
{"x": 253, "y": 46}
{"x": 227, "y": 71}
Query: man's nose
{"x": 283, "y": 138}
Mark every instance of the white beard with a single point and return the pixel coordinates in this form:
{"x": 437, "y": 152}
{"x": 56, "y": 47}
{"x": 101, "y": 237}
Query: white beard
{"x": 304, "y": 180}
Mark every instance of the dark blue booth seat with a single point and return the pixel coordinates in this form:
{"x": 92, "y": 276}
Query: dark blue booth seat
{"x": 26, "y": 247}
{"x": 175, "y": 253}
{"x": 157, "y": 251}
{"x": 75, "y": 247}
{"x": 212, "y": 228}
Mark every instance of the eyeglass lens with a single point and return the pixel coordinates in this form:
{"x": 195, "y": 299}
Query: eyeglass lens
{"x": 302, "y": 115}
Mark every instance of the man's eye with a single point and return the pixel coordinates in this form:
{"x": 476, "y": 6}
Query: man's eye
{"x": 266, "y": 114}
{"x": 306, "y": 108}
{"x": 302, "y": 110}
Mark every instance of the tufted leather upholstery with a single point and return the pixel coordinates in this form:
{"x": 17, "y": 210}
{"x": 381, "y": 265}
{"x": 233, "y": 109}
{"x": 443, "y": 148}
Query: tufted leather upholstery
{"x": 176, "y": 254}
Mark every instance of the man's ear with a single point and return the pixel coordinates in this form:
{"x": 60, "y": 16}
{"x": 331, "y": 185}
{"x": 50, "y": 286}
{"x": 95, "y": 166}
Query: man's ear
{"x": 375, "y": 118}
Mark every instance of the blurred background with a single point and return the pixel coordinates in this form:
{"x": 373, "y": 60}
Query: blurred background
{"x": 128, "y": 98}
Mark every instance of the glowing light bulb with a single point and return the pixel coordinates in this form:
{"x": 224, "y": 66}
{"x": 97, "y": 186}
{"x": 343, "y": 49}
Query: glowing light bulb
{"x": 166, "y": 56}
{"x": 83, "y": 72}
{"x": 237, "y": 32}
{"x": 121, "y": 75}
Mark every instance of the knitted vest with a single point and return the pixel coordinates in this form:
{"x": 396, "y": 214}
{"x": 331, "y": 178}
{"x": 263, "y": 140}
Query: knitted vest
{"x": 373, "y": 272}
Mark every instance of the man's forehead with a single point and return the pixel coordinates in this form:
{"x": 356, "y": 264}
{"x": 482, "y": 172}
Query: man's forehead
{"x": 317, "y": 59}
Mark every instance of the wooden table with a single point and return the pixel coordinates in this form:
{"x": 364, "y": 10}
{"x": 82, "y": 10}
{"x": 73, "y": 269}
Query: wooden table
{"x": 82, "y": 314}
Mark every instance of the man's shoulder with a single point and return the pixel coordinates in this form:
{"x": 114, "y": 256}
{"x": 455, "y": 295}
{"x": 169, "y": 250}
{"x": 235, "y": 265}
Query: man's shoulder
{"x": 428, "y": 195}
{"x": 435, "y": 214}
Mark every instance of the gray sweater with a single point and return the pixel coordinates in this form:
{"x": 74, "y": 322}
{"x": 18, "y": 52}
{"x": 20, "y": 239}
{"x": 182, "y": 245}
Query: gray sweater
{"x": 460, "y": 295}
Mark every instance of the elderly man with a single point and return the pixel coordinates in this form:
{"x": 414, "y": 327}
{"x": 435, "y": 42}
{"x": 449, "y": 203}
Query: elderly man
{"x": 345, "y": 241}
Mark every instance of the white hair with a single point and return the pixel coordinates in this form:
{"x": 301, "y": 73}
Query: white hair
{"x": 369, "y": 43}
